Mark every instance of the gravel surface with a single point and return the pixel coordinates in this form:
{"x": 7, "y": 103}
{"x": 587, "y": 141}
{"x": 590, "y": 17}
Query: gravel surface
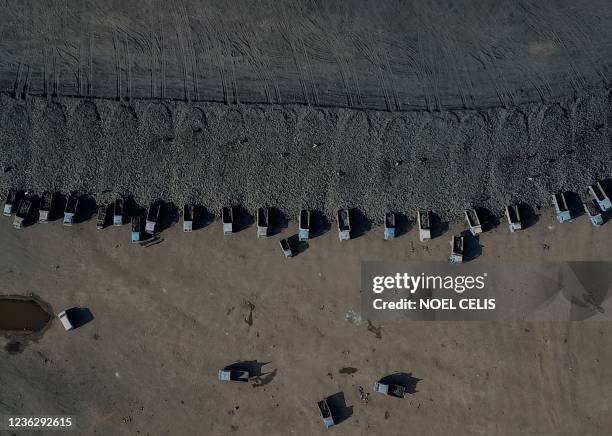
{"x": 293, "y": 157}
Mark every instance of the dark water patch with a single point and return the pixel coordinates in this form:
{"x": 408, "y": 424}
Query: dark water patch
{"x": 14, "y": 347}
{"x": 23, "y": 314}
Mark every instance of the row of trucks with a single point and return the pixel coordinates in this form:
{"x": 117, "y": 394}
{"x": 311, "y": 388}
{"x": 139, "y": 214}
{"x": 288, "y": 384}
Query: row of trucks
{"x": 598, "y": 203}
{"x": 24, "y": 206}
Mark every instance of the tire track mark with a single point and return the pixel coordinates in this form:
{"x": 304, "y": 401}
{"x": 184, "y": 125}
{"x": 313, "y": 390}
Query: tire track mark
{"x": 287, "y": 35}
{"x": 339, "y": 52}
{"x": 539, "y": 23}
{"x": 179, "y": 28}
{"x": 191, "y": 52}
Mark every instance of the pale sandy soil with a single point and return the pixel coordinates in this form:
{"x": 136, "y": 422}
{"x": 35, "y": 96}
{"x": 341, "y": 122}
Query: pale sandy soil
{"x": 169, "y": 316}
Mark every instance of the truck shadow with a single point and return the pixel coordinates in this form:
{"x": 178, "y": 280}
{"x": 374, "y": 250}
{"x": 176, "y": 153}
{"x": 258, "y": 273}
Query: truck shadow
{"x": 403, "y": 224}
{"x": 168, "y": 216}
{"x": 529, "y": 217}
{"x": 278, "y": 222}
{"x": 337, "y": 406}
{"x": 574, "y": 204}
{"x": 79, "y": 316}
{"x": 87, "y": 209}
{"x": 202, "y": 217}
{"x": 471, "y": 246}
{"x": 242, "y": 219}
{"x": 296, "y": 245}
{"x": 488, "y": 220}
{"x": 319, "y": 224}
{"x": 438, "y": 227}
{"x": 360, "y": 224}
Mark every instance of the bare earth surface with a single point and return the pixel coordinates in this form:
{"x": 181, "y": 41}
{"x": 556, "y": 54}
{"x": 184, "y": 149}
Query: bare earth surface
{"x": 169, "y": 316}
{"x": 388, "y": 54}
{"x": 373, "y": 105}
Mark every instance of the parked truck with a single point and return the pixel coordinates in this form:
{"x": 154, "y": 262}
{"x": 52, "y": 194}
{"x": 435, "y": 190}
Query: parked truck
{"x": 389, "y": 226}
{"x": 227, "y": 216}
{"x": 102, "y": 213}
{"x": 456, "y": 255}
{"x": 344, "y": 225}
{"x": 23, "y": 212}
{"x": 328, "y": 419}
{"x": 390, "y": 389}
{"x": 514, "y": 218}
{"x": 473, "y": 220}
{"x": 304, "y": 225}
{"x": 423, "y": 218}
{"x": 592, "y": 209}
{"x": 11, "y": 203}
{"x": 152, "y": 217}
{"x": 600, "y": 196}
{"x": 286, "y": 248}
{"x": 137, "y": 222}
{"x": 561, "y": 208}
{"x": 188, "y": 214}
{"x": 118, "y": 212}
{"x": 46, "y": 204}
{"x": 227, "y": 374}
{"x": 263, "y": 216}
{"x": 70, "y": 211}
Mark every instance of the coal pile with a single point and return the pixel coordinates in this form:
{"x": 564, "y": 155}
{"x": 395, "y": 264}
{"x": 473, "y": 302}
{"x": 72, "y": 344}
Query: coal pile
{"x": 294, "y": 157}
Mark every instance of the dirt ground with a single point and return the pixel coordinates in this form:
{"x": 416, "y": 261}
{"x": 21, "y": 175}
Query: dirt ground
{"x": 167, "y": 317}
{"x": 384, "y": 54}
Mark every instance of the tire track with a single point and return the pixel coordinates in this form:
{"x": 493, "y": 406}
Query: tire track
{"x": 180, "y": 27}
{"x": 287, "y": 35}
{"x": 539, "y": 23}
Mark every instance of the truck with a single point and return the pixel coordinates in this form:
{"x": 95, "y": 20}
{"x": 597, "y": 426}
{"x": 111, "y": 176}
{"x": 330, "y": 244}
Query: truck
{"x": 389, "y": 226}
{"x": 263, "y": 215}
{"x": 11, "y": 203}
{"x": 600, "y": 196}
{"x": 71, "y": 209}
{"x": 473, "y": 220}
{"x": 514, "y": 217}
{"x": 423, "y": 218}
{"x": 227, "y": 374}
{"x": 118, "y": 212}
{"x": 137, "y": 222}
{"x": 328, "y": 419}
{"x": 188, "y": 213}
{"x": 304, "y": 225}
{"x": 344, "y": 225}
{"x": 46, "y": 203}
{"x": 101, "y": 222}
{"x": 560, "y": 203}
{"x": 23, "y": 212}
{"x": 65, "y": 320}
{"x": 456, "y": 249}
{"x": 227, "y": 216}
{"x": 152, "y": 218}
{"x": 591, "y": 208}
{"x": 390, "y": 389}
{"x": 286, "y": 248}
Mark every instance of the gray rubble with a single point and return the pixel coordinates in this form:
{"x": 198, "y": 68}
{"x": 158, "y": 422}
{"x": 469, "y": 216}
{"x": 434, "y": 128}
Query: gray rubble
{"x": 294, "y": 157}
